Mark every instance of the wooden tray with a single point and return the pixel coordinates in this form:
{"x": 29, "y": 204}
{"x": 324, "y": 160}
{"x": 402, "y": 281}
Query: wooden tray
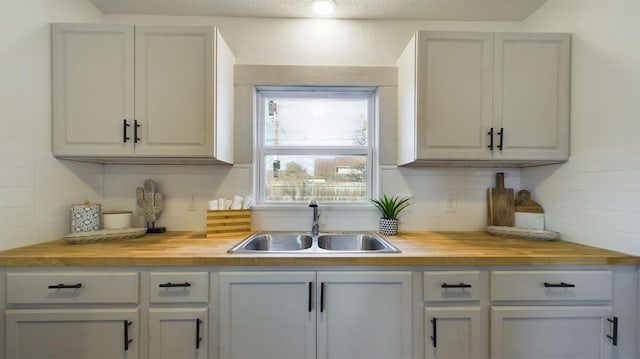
{"x": 104, "y": 235}
{"x": 228, "y": 223}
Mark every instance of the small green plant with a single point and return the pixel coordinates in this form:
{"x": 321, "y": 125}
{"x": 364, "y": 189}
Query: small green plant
{"x": 390, "y": 207}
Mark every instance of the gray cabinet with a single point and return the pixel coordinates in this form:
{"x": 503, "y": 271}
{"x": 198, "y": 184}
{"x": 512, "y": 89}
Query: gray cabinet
{"x": 124, "y": 93}
{"x": 466, "y": 97}
{"x": 355, "y": 314}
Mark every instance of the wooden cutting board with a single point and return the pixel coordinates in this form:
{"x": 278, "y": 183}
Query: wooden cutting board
{"x": 501, "y": 204}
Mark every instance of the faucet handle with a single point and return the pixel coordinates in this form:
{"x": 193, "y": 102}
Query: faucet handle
{"x": 313, "y": 203}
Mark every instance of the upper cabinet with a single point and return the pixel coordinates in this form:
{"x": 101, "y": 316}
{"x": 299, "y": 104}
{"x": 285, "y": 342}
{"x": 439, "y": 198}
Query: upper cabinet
{"x": 484, "y": 98}
{"x": 142, "y": 94}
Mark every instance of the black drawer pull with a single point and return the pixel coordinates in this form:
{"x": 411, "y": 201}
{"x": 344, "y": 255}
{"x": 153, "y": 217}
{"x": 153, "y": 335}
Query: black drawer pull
{"x": 459, "y": 285}
{"x": 614, "y": 331}
{"x": 310, "y": 307}
{"x": 65, "y": 286}
{"x": 127, "y": 341}
{"x": 136, "y": 125}
{"x": 198, "y": 337}
{"x": 174, "y": 285}
{"x": 559, "y": 285}
{"x": 490, "y": 133}
{"x": 322, "y": 297}
{"x": 125, "y": 138}
{"x": 434, "y": 337}
{"x": 501, "y": 134}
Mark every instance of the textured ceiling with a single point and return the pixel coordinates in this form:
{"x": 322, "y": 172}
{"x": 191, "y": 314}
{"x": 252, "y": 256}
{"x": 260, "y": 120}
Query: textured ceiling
{"x": 470, "y": 10}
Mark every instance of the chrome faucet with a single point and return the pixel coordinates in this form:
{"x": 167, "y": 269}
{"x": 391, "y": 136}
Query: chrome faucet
{"x": 315, "y": 227}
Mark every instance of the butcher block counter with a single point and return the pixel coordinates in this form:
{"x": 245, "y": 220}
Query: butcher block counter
{"x": 418, "y": 248}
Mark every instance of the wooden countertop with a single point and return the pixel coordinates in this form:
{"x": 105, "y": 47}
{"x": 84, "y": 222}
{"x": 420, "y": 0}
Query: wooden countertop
{"x": 418, "y": 248}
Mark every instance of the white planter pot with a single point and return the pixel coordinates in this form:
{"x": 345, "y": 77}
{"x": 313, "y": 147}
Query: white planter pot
{"x": 388, "y": 227}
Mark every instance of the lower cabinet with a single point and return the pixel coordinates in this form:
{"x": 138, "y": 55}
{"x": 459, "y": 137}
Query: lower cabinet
{"x": 551, "y": 332}
{"x": 453, "y": 321}
{"x": 453, "y": 333}
{"x": 553, "y": 314}
{"x": 178, "y": 333}
{"x": 178, "y": 315}
{"x": 315, "y": 315}
{"x": 429, "y": 312}
{"x": 72, "y": 334}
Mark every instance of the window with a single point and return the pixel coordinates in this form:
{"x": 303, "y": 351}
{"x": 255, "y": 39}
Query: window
{"x": 315, "y": 142}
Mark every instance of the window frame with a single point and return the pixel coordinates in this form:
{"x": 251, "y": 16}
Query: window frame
{"x": 261, "y": 150}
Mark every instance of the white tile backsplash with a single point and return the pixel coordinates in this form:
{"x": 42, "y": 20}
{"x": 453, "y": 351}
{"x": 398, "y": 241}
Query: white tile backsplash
{"x": 37, "y": 191}
{"x": 596, "y": 201}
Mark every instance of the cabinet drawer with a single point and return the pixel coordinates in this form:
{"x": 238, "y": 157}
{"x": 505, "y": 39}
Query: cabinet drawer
{"x": 78, "y": 287}
{"x": 551, "y": 285}
{"x": 179, "y": 287}
{"x": 451, "y": 286}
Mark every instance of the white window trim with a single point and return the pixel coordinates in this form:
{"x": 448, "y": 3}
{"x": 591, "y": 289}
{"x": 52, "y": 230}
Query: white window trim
{"x": 371, "y": 152}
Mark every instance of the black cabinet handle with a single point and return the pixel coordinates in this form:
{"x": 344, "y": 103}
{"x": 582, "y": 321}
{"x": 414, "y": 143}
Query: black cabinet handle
{"x": 501, "y": 134}
{"x": 174, "y": 285}
{"x": 559, "y": 285}
{"x": 198, "y": 337}
{"x": 127, "y": 341}
{"x": 459, "y": 285}
{"x": 65, "y": 286}
{"x": 136, "y": 125}
{"x": 434, "y": 337}
{"x": 490, "y": 133}
{"x": 614, "y": 331}
{"x": 125, "y": 138}
{"x": 310, "y": 297}
{"x": 321, "y": 297}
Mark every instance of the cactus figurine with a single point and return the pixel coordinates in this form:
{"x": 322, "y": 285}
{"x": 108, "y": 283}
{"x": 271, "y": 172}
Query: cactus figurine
{"x": 151, "y": 201}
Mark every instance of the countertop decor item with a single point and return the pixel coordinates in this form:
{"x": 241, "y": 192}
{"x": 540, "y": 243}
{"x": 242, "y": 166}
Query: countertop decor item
{"x": 500, "y": 203}
{"x": 528, "y": 213}
{"x": 85, "y": 217}
{"x": 151, "y": 201}
{"x": 228, "y": 223}
{"x": 515, "y": 232}
{"x": 116, "y": 219}
{"x": 389, "y": 208}
{"x": 104, "y": 235}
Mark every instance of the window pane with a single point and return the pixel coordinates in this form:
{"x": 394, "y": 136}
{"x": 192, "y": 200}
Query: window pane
{"x": 315, "y": 121}
{"x": 326, "y": 178}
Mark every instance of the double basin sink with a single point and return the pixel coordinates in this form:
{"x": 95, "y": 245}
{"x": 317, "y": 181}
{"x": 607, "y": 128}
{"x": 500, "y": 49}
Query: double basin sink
{"x": 299, "y": 242}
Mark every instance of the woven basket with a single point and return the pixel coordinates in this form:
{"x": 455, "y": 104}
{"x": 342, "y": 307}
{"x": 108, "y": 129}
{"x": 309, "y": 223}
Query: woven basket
{"x": 228, "y": 223}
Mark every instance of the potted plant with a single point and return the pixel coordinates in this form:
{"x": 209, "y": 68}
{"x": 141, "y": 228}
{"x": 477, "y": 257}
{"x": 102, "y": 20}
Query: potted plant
{"x": 389, "y": 208}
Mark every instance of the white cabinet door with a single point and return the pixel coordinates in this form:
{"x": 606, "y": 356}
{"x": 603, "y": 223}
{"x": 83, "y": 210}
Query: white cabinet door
{"x": 550, "y": 332}
{"x": 454, "y": 97}
{"x": 452, "y": 333}
{"x": 531, "y": 95}
{"x": 267, "y": 315}
{"x": 174, "y": 90}
{"x": 93, "y": 89}
{"x": 364, "y": 315}
{"x": 178, "y": 333}
{"x": 72, "y": 334}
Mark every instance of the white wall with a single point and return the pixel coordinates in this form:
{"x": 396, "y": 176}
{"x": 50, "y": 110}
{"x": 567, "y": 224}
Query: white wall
{"x": 36, "y": 190}
{"x": 595, "y": 197}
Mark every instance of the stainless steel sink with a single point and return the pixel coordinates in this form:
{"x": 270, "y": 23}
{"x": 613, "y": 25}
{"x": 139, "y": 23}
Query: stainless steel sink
{"x": 298, "y": 242}
{"x": 274, "y": 242}
{"x": 354, "y": 242}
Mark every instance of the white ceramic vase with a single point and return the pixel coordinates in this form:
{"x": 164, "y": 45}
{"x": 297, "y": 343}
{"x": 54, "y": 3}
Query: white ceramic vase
{"x": 388, "y": 227}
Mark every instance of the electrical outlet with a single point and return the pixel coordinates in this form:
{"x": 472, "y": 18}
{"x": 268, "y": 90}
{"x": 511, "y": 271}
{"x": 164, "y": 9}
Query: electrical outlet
{"x": 191, "y": 206}
{"x": 452, "y": 203}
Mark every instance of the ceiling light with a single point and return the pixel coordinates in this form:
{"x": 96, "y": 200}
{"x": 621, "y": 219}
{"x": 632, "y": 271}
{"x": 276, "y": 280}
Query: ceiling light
{"x": 324, "y": 7}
